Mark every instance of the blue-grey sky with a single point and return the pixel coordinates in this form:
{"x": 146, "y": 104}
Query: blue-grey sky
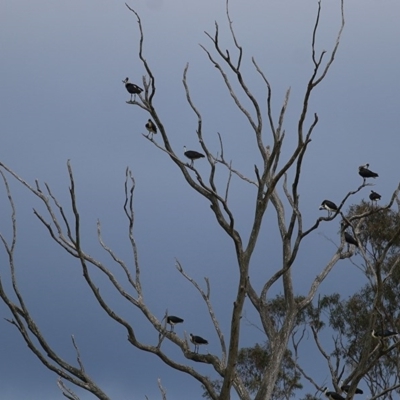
{"x": 61, "y": 98}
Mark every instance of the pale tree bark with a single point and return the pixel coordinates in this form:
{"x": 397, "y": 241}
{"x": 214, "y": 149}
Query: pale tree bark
{"x": 272, "y": 172}
{"x": 273, "y": 190}
{"x": 67, "y": 234}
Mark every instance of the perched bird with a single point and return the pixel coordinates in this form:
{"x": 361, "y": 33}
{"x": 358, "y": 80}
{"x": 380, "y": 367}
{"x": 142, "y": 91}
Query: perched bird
{"x": 349, "y": 239}
{"x": 329, "y": 206}
{"x": 197, "y": 341}
{"x": 192, "y": 155}
{"x": 332, "y": 395}
{"x": 132, "y": 88}
{"x": 386, "y": 334}
{"x": 365, "y": 172}
{"x": 346, "y": 388}
{"x": 172, "y": 320}
{"x": 151, "y": 127}
{"x": 374, "y": 196}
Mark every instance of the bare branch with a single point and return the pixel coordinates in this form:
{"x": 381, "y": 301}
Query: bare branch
{"x": 149, "y": 98}
{"x": 231, "y": 170}
{"x": 162, "y": 390}
{"x": 206, "y": 298}
{"x": 67, "y": 392}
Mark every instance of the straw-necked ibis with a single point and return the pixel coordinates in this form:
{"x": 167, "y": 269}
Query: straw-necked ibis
{"x": 365, "y": 172}
{"x": 132, "y": 88}
{"x": 329, "y": 206}
{"x": 192, "y": 155}
{"x": 197, "y": 341}
{"x": 374, "y": 196}
{"x": 349, "y": 239}
{"x": 385, "y": 334}
{"x": 151, "y": 127}
{"x": 332, "y": 395}
{"x": 346, "y": 388}
{"x": 173, "y": 320}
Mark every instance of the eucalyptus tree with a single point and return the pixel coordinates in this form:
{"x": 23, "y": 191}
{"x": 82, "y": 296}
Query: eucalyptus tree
{"x": 355, "y": 355}
{"x": 274, "y": 186}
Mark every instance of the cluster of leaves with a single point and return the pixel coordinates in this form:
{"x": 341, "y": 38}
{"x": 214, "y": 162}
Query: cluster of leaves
{"x": 253, "y": 361}
{"x": 252, "y": 364}
{"x": 348, "y": 318}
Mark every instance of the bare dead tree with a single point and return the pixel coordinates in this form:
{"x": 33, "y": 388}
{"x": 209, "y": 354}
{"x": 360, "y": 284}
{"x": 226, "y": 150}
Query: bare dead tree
{"x": 272, "y": 173}
{"x": 273, "y": 190}
{"x": 67, "y": 234}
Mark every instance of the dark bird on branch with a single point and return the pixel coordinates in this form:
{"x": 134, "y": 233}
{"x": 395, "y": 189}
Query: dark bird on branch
{"x": 374, "y": 196}
{"x": 197, "y": 341}
{"x": 172, "y": 320}
{"x": 349, "y": 239}
{"x": 151, "y": 127}
{"x": 346, "y": 388}
{"x": 329, "y": 206}
{"x": 332, "y": 395}
{"x": 365, "y": 172}
{"x": 192, "y": 155}
{"x": 132, "y": 88}
{"x": 386, "y": 334}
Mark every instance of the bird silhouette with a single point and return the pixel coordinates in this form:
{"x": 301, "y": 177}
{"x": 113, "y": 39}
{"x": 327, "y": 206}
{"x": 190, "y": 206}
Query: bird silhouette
{"x": 365, "y": 173}
{"x": 328, "y": 205}
{"x": 132, "y": 88}
{"x": 172, "y": 320}
{"x": 197, "y": 341}
{"x": 151, "y": 127}
{"x": 192, "y": 155}
{"x": 374, "y": 196}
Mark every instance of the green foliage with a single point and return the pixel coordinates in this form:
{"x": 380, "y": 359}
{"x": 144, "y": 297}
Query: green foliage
{"x": 378, "y": 300}
{"x": 378, "y": 229}
{"x": 252, "y": 364}
{"x": 350, "y": 319}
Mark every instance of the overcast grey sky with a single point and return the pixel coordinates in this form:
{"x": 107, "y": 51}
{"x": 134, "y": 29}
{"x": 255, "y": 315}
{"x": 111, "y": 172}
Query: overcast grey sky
{"x": 61, "y": 97}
